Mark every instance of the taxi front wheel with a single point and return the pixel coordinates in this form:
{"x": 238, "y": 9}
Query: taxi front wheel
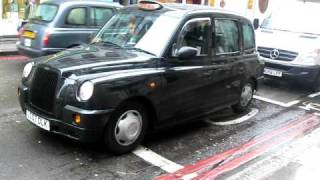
{"x": 245, "y": 98}
{"x": 126, "y": 128}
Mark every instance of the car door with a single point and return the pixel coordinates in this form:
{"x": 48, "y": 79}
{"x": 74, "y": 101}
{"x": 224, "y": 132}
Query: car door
{"x": 187, "y": 80}
{"x": 225, "y": 60}
{"x": 74, "y": 29}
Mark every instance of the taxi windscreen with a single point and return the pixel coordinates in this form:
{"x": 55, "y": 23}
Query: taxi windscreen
{"x": 138, "y": 29}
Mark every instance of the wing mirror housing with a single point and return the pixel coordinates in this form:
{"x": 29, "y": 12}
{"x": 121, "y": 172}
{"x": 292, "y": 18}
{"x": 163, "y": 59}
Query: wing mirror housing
{"x": 187, "y": 52}
{"x": 256, "y": 23}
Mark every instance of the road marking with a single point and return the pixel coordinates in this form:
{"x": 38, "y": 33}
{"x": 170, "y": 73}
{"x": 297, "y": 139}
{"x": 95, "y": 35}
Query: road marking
{"x": 265, "y": 167}
{"x": 239, "y": 120}
{"x": 307, "y": 105}
{"x": 233, "y": 158}
{"x": 289, "y": 104}
{"x": 213, "y": 174}
{"x": 156, "y": 160}
{"x": 13, "y": 58}
{"x": 314, "y": 95}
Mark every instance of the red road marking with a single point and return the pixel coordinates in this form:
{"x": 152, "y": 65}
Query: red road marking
{"x": 17, "y": 57}
{"x": 204, "y": 165}
{"x": 213, "y": 174}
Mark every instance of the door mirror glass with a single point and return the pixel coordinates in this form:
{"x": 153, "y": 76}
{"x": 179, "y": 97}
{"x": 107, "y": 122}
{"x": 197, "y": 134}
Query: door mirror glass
{"x": 187, "y": 52}
{"x": 256, "y": 23}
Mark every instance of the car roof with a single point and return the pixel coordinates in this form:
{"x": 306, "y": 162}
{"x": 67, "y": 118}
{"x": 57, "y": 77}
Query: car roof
{"x": 88, "y": 2}
{"x": 192, "y": 8}
{"x": 185, "y": 9}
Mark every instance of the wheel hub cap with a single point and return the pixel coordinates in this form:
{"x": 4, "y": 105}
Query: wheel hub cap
{"x": 246, "y": 95}
{"x": 128, "y": 127}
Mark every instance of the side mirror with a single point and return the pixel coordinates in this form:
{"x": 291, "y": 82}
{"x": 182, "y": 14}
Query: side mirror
{"x": 256, "y": 24}
{"x": 187, "y": 52}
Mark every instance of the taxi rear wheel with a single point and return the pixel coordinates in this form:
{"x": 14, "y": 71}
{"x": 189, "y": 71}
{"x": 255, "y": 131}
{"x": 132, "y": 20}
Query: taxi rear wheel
{"x": 126, "y": 128}
{"x": 245, "y": 99}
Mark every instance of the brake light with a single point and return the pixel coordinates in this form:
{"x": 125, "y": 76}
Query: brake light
{"x": 46, "y": 39}
{"x": 20, "y": 32}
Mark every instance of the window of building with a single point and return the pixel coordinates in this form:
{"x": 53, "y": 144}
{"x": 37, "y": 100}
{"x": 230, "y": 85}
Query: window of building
{"x": 226, "y": 36}
{"x": 77, "y": 16}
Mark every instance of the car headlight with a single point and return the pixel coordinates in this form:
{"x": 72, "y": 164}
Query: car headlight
{"x": 309, "y": 58}
{"x": 27, "y": 69}
{"x": 85, "y": 91}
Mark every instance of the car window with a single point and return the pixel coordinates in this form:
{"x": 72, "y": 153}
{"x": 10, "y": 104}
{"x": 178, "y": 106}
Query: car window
{"x": 77, "y": 16}
{"x": 99, "y": 16}
{"x": 226, "y": 38}
{"x": 248, "y": 36}
{"x": 195, "y": 34}
{"x": 44, "y": 12}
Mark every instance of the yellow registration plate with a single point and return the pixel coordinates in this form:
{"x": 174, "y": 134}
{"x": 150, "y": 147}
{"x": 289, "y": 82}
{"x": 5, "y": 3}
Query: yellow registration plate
{"x": 29, "y": 34}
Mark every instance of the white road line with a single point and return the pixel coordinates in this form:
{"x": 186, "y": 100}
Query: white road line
{"x": 241, "y": 119}
{"x": 156, "y": 160}
{"x": 314, "y": 95}
{"x": 289, "y": 104}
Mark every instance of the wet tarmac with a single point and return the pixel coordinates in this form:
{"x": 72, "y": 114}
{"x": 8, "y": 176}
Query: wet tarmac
{"x": 27, "y": 152}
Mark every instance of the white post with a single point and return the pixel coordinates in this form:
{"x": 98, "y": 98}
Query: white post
{"x": 184, "y": 1}
{"x": 202, "y": 2}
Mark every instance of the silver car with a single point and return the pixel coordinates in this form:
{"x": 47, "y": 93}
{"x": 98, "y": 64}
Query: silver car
{"x": 56, "y": 25}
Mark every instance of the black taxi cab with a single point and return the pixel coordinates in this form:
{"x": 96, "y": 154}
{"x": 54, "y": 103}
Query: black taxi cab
{"x": 150, "y": 66}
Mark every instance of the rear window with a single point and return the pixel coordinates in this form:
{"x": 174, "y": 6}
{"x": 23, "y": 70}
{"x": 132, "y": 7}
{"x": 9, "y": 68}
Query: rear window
{"x": 44, "y": 12}
{"x": 248, "y": 37}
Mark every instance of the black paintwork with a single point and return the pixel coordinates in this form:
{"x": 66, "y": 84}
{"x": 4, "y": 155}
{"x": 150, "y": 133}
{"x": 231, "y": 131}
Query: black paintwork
{"x": 184, "y": 88}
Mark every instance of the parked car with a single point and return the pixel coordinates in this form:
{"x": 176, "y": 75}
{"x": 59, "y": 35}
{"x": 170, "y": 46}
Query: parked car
{"x": 150, "y": 66}
{"x": 57, "y": 25}
{"x": 289, "y": 43}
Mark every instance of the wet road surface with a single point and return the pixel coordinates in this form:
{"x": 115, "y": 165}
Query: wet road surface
{"x": 29, "y": 153}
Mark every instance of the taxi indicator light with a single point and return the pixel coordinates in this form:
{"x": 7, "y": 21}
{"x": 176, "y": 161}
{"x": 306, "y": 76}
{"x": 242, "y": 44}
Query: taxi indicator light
{"x": 149, "y": 5}
{"x": 77, "y": 119}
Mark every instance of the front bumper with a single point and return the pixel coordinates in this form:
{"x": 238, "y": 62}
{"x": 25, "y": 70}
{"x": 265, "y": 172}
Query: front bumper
{"x": 302, "y": 74}
{"x": 90, "y": 129}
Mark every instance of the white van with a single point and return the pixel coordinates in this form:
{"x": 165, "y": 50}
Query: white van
{"x": 289, "y": 43}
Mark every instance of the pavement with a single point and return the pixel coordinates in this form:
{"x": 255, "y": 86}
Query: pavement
{"x": 278, "y": 139}
{"x": 8, "y": 45}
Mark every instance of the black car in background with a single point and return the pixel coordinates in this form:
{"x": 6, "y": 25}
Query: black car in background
{"x": 56, "y": 25}
{"x": 150, "y": 66}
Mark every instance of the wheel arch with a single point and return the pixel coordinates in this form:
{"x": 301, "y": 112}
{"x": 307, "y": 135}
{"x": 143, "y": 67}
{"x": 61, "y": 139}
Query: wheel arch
{"x": 148, "y": 104}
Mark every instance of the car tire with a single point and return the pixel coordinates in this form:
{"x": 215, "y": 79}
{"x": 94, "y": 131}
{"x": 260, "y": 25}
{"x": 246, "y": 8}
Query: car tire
{"x": 126, "y": 128}
{"x": 245, "y": 99}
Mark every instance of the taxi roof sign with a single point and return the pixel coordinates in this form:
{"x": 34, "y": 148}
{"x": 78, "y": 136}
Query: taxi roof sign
{"x": 149, "y": 5}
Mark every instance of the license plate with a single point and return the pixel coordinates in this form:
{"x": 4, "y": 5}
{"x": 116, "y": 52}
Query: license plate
{"x": 272, "y": 72}
{"x": 27, "y": 42}
{"x": 39, "y": 121}
{"x": 29, "y": 34}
